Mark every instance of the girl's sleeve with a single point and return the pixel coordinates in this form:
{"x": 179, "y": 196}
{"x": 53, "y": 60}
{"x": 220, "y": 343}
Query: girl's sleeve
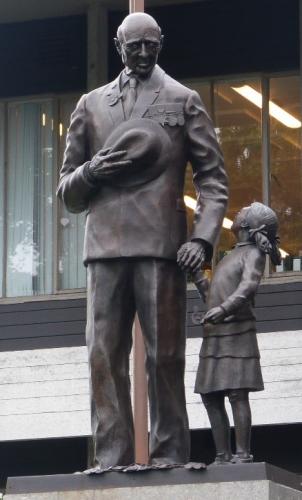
{"x": 253, "y": 268}
{"x": 202, "y": 284}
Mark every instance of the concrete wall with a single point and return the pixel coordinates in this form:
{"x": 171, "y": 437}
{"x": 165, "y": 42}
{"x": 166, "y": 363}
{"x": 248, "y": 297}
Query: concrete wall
{"x": 44, "y": 392}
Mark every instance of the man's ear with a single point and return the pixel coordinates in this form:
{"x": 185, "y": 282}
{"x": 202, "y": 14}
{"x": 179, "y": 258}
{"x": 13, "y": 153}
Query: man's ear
{"x": 161, "y": 42}
{"x": 118, "y": 46}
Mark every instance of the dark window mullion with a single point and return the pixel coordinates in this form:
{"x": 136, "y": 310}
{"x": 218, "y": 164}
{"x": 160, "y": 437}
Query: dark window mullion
{"x": 266, "y": 156}
{"x": 56, "y": 167}
{"x": 265, "y": 125}
{"x": 4, "y": 192}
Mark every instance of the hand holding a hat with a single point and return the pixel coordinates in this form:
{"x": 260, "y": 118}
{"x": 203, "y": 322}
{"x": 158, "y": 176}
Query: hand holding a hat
{"x": 106, "y": 164}
{"x": 141, "y": 144}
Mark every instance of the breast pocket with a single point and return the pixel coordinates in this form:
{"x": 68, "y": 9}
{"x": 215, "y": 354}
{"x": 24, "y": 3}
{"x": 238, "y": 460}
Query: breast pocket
{"x": 168, "y": 114}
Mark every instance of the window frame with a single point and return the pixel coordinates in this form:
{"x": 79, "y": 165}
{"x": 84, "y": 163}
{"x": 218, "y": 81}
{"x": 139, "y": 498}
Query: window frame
{"x": 56, "y": 293}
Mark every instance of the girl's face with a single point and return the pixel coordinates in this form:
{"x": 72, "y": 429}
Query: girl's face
{"x": 239, "y": 220}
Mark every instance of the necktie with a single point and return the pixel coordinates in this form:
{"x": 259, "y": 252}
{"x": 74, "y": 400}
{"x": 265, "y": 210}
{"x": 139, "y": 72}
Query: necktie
{"x": 130, "y": 95}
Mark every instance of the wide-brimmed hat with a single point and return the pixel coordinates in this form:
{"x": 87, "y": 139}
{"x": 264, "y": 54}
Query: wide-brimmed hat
{"x": 148, "y": 146}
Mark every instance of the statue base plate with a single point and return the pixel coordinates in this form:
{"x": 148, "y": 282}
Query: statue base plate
{"x": 257, "y": 481}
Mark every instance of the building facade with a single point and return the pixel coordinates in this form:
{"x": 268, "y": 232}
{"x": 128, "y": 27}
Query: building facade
{"x": 244, "y": 60}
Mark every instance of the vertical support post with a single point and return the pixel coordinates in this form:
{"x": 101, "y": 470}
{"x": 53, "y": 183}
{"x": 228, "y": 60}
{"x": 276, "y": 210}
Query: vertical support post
{"x": 265, "y": 125}
{"x": 266, "y": 161}
{"x": 140, "y": 406}
{"x": 213, "y": 117}
{"x": 97, "y": 41}
{"x": 136, "y": 6}
{"x": 139, "y": 374}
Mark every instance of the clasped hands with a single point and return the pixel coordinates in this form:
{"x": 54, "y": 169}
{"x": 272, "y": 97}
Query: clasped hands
{"x": 190, "y": 258}
{"x": 105, "y": 164}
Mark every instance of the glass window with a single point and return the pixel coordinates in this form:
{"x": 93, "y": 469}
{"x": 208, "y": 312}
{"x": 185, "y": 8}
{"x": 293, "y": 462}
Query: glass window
{"x": 29, "y": 207}
{"x": 29, "y": 134}
{"x": 71, "y": 227}
{"x": 38, "y": 243}
{"x": 286, "y": 167}
{"x": 236, "y": 106}
{"x": 238, "y": 127}
{"x": 204, "y": 90}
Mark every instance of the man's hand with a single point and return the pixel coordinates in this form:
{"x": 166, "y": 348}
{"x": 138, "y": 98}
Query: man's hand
{"x": 191, "y": 256}
{"x": 214, "y": 315}
{"x": 106, "y": 165}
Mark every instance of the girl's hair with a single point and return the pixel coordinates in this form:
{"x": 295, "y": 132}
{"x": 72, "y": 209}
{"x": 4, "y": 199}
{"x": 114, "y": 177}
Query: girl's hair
{"x": 263, "y": 226}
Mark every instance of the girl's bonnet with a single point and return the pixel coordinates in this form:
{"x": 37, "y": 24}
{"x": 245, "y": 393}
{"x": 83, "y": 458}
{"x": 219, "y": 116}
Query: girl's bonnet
{"x": 262, "y": 225}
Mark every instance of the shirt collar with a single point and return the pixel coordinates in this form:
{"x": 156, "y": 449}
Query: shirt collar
{"x": 125, "y": 77}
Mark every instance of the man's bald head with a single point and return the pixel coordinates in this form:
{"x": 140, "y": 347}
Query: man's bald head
{"x": 137, "y": 20}
{"x": 139, "y": 41}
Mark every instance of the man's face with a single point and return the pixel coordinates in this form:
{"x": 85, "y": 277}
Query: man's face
{"x": 139, "y": 48}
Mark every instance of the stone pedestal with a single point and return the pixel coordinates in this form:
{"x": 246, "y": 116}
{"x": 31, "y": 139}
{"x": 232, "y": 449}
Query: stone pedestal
{"x": 258, "y": 481}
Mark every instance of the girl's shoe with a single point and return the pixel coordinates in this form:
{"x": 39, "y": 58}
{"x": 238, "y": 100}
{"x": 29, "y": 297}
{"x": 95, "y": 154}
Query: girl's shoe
{"x": 224, "y": 459}
{"x": 241, "y": 458}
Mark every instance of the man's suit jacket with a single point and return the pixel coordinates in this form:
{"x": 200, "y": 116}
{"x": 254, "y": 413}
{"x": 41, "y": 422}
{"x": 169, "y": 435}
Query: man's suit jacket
{"x": 148, "y": 220}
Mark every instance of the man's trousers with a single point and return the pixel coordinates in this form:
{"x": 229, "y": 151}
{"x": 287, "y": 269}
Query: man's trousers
{"x": 155, "y": 289}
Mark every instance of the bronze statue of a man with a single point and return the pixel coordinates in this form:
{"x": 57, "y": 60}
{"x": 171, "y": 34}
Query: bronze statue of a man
{"x": 127, "y": 149}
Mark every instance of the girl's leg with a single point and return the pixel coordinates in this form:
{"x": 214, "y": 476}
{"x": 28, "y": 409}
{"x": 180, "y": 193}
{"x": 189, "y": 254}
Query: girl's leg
{"x": 214, "y": 404}
{"x": 239, "y": 400}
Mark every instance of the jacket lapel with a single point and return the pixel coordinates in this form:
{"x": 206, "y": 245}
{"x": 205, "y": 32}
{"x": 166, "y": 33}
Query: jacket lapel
{"x": 114, "y": 100}
{"x": 149, "y": 93}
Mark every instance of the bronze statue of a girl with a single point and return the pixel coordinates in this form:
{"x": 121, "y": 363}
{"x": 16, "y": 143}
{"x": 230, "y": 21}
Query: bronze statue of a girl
{"x": 229, "y": 357}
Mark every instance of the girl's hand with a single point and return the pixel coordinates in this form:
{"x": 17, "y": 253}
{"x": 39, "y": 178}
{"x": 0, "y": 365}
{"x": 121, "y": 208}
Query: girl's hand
{"x": 214, "y": 315}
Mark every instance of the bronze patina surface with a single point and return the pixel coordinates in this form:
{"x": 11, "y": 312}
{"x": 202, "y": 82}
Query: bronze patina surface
{"x": 136, "y": 224}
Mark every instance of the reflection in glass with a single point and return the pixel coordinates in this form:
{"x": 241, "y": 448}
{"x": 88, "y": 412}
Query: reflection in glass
{"x": 71, "y": 227}
{"x": 204, "y": 91}
{"x": 238, "y": 127}
{"x": 286, "y": 169}
{"x": 236, "y": 106}
{"x": 237, "y": 112}
{"x": 29, "y": 198}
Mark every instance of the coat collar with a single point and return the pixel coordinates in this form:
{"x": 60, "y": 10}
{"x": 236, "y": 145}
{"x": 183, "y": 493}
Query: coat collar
{"x": 114, "y": 100}
{"x": 147, "y": 96}
{"x": 149, "y": 93}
